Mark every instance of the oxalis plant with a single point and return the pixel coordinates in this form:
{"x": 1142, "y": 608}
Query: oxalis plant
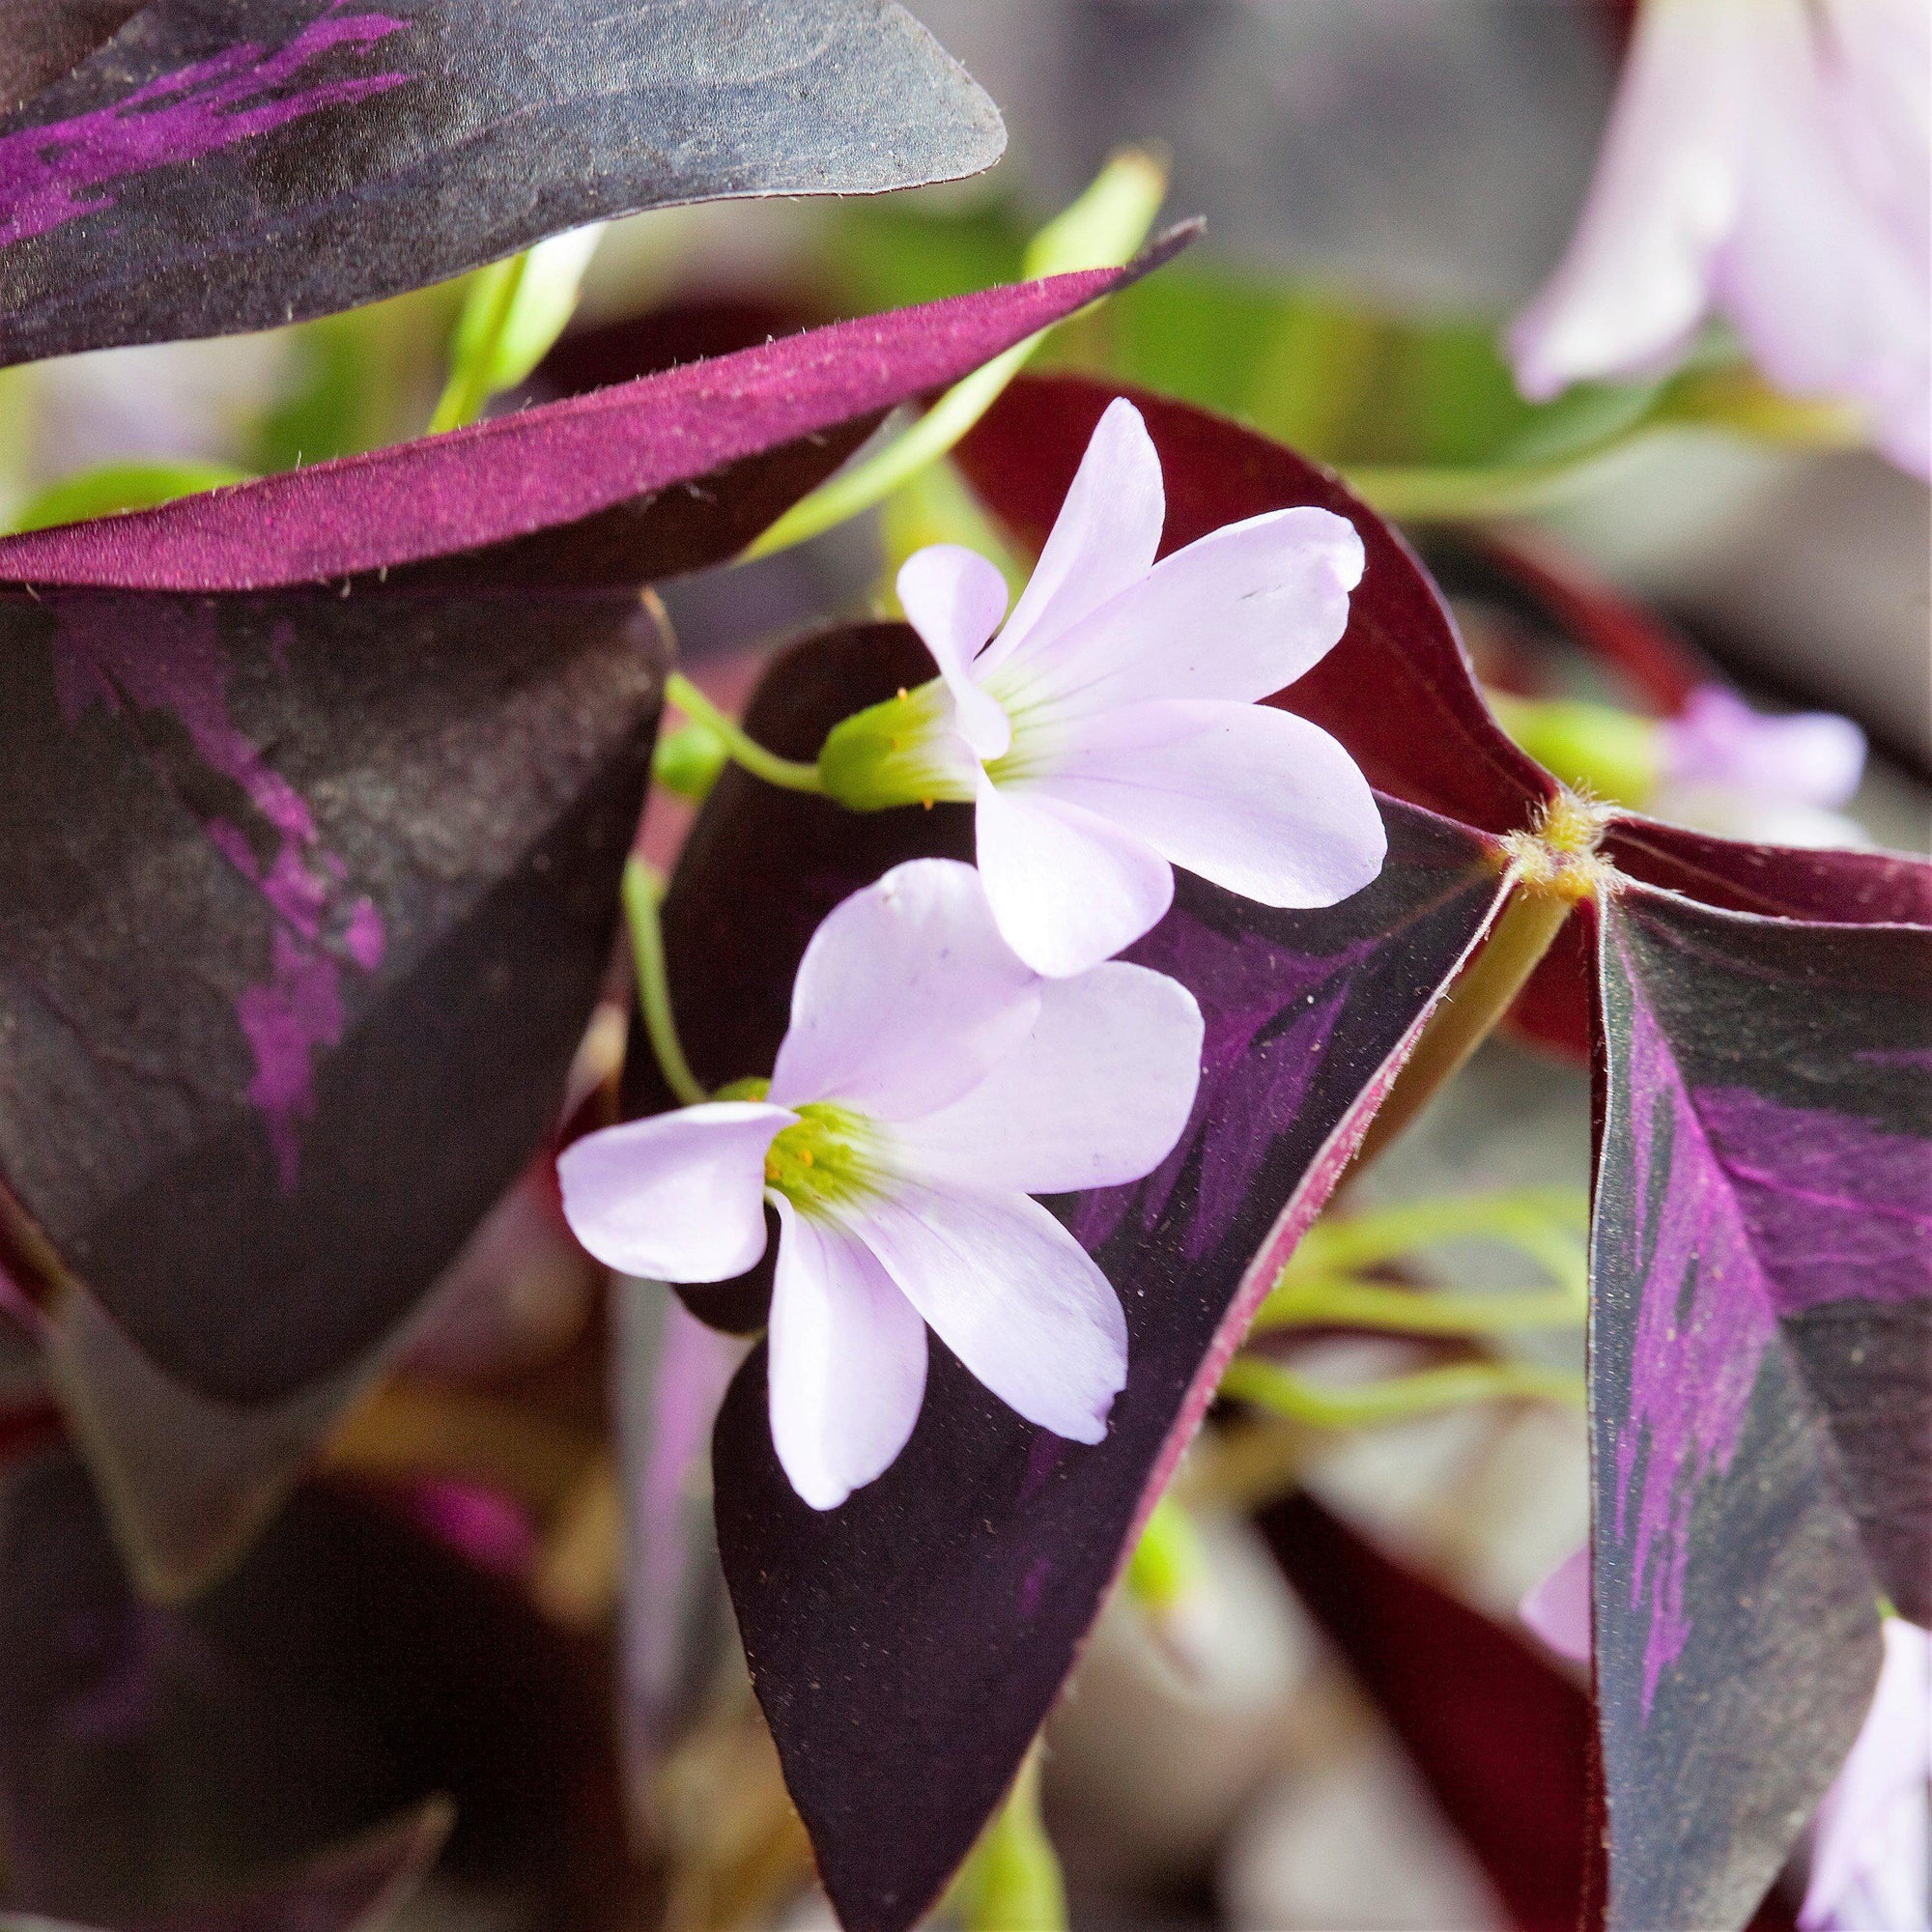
{"x": 1041, "y": 959}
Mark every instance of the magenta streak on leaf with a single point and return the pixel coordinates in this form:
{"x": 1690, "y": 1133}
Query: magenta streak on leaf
{"x": 55, "y": 174}
{"x": 174, "y": 665}
{"x": 298, "y": 1011}
{"x": 1243, "y": 986}
{"x": 1704, "y": 1325}
{"x": 1838, "y": 1207}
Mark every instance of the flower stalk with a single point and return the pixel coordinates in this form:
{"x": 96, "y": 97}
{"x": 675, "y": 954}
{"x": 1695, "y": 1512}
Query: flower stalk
{"x": 643, "y": 890}
{"x": 790, "y": 773}
{"x": 1549, "y": 872}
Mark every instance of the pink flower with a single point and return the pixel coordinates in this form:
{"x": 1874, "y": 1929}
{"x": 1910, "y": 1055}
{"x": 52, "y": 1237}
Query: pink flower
{"x": 1111, "y": 729}
{"x": 930, "y": 1083}
{"x": 1872, "y": 1859}
{"x": 1558, "y": 1608}
{"x": 1725, "y": 768}
{"x": 1768, "y": 159}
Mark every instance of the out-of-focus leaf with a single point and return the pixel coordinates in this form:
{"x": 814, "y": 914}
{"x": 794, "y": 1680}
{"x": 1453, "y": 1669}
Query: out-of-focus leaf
{"x": 1106, "y": 225}
{"x": 41, "y": 39}
{"x": 1501, "y": 1738}
{"x": 907, "y": 1645}
{"x": 304, "y": 903}
{"x": 1397, "y": 690}
{"x": 116, "y": 486}
{"x": 1761, "y": 1347}
{"x": 222, "y": 168}
{"x": 172, "y": 1769}
{"x": 618, "y": 486}
{"x": 358, "y": 1888}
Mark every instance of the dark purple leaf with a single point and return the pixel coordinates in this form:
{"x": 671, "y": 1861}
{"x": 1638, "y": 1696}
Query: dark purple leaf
{"x": 633, "y": 471}
{"x": 907, "y": 1646}
{"x": 355, "y": 1888}
{"x": 158, "y": 1767}
{"x": 1398, "y": 690}
{"x": 1761, "y": 1350}
{"x": 304, "y": 902}
{"x": 224, "y": 166}
{"x": 40, "y": 39}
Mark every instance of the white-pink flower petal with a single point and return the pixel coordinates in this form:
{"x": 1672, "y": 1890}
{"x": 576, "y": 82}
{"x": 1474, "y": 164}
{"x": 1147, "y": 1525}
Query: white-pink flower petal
{"x": 1098, "y": 1094}
{"x": 678, "y": 1197}
{"x": 1068, "y": 888}
{"x": 1238, "y": 615}
{"x": 1105, "y": 538}
{"x": 846, "y": 1367}
{"x": 906, "y": 996}
{"x": 1769, "y": 159}
{"x": 1871, "y": 1862}
{"x": 1251, "y": 798}
{"x": 1636, "y": 283}
{"x": 1013, "y": 1294}
{"x": 955, "y": 599}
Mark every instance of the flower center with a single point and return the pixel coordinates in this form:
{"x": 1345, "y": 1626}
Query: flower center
{"x": 1560, "y": 859}
{"x": 828, "y": 1161}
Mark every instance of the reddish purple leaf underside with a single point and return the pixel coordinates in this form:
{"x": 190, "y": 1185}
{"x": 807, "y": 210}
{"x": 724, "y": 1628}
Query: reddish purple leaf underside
{"x": 592, "y": 488}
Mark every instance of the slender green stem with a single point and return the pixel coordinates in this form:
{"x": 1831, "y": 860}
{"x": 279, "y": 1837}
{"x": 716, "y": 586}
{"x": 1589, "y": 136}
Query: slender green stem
{"x": 1268, "y": 1385}
{"x": 1011, "y": 1883}
{"x": 788, "y": 773}
{"x": 1549, "y": 1224}
{"x": 1341, "y": 1302}
{"x": 642, "y": 889}
{"x": 1471, "y": 1010}
{"x": 1102, "y": 229}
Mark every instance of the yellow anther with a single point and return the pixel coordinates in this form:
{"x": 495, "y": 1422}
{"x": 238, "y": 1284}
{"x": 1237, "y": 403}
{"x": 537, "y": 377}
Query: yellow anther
{"x": 1559, "y": 857}
{"x": 904, "y": 693}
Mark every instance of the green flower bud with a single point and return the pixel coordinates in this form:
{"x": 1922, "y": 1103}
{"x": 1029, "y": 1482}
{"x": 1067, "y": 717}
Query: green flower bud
{"x": 899, "y": 752}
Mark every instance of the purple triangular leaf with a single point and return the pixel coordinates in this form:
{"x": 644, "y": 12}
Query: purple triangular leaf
{"x": 174, "y": 1769}
{"x": 1397, "y": 689}
{"x": 907, "y": 1645}
{"x": 222, "y": 168}
{"x": 304, "y": 902}
{"x": 1761, "y": 1370}
{"x": 628, "y": 452}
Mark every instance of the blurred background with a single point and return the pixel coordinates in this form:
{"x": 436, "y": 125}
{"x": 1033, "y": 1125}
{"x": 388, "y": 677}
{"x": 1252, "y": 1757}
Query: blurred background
{"x": 1385, "y": 183}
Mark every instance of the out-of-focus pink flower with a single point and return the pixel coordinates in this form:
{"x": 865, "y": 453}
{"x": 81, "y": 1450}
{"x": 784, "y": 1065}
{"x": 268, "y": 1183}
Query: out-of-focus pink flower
{"x": 930, "y": 1084}
{"x": 1769, "y": 161}
{"x": 1871, "y": 1860}
{"x": 1725, "y": 768}
{"x": 1872, "y": 1855}
{"x": 1558, "y": 1608}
